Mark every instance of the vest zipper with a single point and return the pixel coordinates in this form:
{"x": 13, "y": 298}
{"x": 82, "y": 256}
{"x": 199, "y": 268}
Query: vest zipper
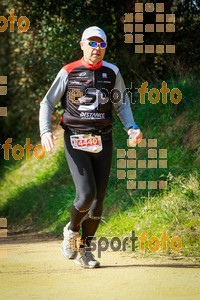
{"x": 93, "y": 79}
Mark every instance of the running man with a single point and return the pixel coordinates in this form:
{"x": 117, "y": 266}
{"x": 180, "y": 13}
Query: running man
{"x": 87, "y": 88}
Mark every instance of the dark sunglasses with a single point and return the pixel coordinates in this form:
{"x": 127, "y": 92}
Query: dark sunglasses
{"x": 94, "y": 44}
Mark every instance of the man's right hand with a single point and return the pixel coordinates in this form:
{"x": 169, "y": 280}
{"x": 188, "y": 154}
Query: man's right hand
{"x": 47, "y": 141}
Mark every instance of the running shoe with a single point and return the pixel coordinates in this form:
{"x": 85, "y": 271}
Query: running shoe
{"x": 86, "y": 259}
{"x": 69, "y": 244}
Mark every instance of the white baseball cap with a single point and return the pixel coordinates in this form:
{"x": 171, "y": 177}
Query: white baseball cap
{"x": 93, "y": 31}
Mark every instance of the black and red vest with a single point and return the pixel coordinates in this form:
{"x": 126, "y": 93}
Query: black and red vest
{"x": 87, "y": 101}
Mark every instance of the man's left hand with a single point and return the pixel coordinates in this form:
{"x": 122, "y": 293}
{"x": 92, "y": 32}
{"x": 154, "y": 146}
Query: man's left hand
{"x": 137, "y": 139}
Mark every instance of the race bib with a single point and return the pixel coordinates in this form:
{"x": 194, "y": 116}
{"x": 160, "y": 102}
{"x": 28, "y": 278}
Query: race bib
{"x": 86, "y": 142}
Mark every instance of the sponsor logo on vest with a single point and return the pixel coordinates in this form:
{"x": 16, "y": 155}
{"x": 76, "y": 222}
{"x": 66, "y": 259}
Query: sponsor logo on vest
{"x": 74, "y": 82}
{"x": 87, "y": 115}
{"x": 82, "y": 74}
{"x": 88, "y": 81}
{"x": 91, "y": 95}
{"x": 103, "y": 81}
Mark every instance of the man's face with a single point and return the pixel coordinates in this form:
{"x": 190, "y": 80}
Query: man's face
{"x": 93, "y": 55}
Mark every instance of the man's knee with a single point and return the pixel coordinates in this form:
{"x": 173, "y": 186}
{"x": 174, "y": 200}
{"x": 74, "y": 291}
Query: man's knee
{"x": 96, "y": 211}
{"x": 84, "y": 200}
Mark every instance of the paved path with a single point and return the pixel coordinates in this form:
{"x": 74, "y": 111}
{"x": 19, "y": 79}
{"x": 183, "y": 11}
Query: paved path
{"x": 36, "y": 269}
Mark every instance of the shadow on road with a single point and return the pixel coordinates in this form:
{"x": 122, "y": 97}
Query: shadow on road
{"x": 154, "y": 266}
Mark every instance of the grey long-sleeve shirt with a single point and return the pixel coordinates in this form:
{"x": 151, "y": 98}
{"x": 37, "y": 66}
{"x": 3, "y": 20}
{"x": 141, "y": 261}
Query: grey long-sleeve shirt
{"x": 62, "y": 84}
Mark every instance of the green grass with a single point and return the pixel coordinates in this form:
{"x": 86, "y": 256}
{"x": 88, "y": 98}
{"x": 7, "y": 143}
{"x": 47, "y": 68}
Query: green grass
{"x": 36, "y": 195}
{"x": 176, "y": 211}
